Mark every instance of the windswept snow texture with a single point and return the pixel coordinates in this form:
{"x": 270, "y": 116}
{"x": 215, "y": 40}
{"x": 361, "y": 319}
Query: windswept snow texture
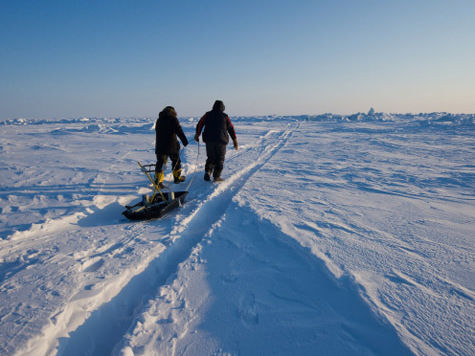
{"x": 338, "y": 235}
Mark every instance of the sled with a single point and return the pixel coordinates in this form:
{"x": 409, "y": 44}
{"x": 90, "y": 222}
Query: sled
{"x": 156, "y": 205}
{"x": 160, "y": 206}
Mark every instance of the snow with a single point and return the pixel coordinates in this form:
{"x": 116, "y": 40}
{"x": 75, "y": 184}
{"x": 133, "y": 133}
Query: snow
{"x": 330, "y": 235}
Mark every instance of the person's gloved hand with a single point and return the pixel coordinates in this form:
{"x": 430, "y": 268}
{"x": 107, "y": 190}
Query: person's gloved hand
{"x": 197, "y": 138}
{"x": 235, "y": 143}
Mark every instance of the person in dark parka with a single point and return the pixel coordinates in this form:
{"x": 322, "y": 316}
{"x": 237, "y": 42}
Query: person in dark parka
{"x": 167, "y": 128}
{"x": 217, "y": 129}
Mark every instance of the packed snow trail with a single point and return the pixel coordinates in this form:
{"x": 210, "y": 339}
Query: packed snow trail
{"x": 328, "y": 230}
{"x": 248, "y": 287}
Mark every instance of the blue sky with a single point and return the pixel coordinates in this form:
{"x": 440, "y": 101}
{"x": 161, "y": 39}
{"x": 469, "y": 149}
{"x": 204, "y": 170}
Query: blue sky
{"x": 70, "y": 58}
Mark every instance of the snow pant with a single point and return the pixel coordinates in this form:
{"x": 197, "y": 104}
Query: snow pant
{"x": 162, "y": 161}
{"x": 214, "y": 163}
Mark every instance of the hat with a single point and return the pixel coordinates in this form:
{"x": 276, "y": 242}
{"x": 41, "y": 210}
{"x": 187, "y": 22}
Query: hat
{"x": 218, "y": 105}
{"x": 168, "y": 111}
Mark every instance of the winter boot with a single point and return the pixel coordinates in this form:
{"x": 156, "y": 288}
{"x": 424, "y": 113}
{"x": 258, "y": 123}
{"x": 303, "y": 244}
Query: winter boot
{"x": 177, "y": 177}
{"x": 159, "y": 179}
{"x": 207, "y": 176}
{"x": 217, "y": 174}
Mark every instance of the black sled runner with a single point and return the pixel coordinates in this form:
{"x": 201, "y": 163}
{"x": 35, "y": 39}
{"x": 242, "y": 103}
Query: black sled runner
{"x": 145, "y": 210}
{"x": 155, "y": 205}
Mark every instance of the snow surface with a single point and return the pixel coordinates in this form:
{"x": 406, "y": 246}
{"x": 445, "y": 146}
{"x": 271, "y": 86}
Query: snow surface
{"x": 331, "y": 235}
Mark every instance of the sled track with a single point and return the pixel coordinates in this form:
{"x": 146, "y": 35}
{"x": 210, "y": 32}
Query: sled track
{"x": 103, "y": 330}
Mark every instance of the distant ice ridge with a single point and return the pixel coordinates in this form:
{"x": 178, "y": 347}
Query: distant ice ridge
{"x": 80, "y": 120}
{"x": 429, "y": 118}
{"x": 436, "y": 120}
{"x": 424, "y": 119}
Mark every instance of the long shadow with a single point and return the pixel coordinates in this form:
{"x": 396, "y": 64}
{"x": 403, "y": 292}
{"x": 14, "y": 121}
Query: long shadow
{"x": 271, "y": 296}
{"x": 110, "y": 215}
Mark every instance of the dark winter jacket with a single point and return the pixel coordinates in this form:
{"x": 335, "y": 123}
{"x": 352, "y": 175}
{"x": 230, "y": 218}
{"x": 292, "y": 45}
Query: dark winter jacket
{"x": 217, "y": 126}
{"x": 167, "y": 128}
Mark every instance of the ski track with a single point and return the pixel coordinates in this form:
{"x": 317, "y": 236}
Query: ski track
{"x": 235, "y": 262}
{"x": 102, "y": 328}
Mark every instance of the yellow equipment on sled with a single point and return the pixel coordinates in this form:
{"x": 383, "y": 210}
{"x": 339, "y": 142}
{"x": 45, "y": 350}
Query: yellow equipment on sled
{"x": 155, "y": 205}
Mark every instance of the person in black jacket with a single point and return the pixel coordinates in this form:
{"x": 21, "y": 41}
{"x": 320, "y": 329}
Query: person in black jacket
{"x": 167, "y": 128}
{"x": 217, "y": 129}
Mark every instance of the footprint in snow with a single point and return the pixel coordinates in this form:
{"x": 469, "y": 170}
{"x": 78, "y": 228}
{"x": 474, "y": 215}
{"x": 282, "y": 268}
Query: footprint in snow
{"x": 93, "y": 265}
{"x": 229, "y": 277}
{"x": 248, "y": 310}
